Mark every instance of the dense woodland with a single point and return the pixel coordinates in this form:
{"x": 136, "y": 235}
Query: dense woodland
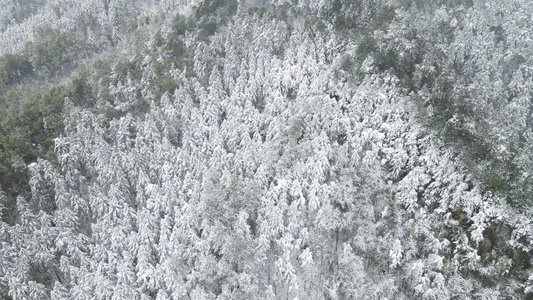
{"x": 256, "y": 149}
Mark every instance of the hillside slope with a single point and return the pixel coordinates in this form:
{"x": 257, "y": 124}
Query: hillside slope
{"x": 268, "y": 150}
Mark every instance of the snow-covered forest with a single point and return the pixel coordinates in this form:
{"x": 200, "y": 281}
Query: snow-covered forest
{"x": 266, "y": 149}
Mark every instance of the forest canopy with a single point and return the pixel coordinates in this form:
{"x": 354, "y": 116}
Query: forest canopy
{"x": 254, "y": 149}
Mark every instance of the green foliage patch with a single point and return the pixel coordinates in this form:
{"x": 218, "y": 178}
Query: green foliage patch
{"x": 212, "y": 14}
{"x": 54, "y": 53}
{"x": 29, "y": 121}
{"x": 384, "y": 16}
{"x": 14, "y": 68}
{"x": 223, "y": 8}
{"x": 31, "y": 116}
